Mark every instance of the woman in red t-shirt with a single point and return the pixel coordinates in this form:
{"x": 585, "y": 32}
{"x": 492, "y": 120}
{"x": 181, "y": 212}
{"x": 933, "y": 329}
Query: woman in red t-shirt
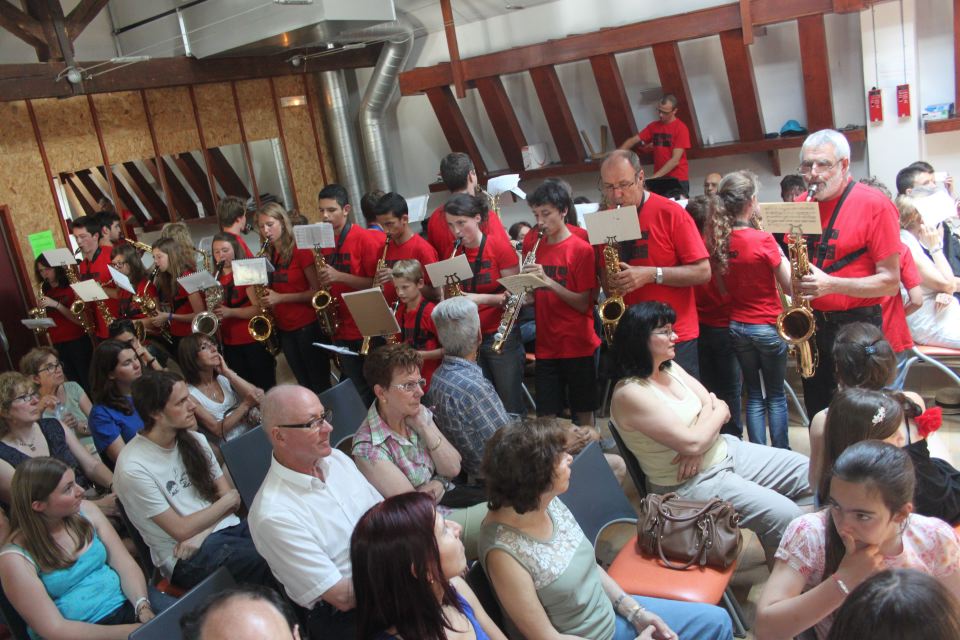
{"x": 68, "y": 337}
{"x": 177, "y": 307}
{"x": 292, "y": 285}
{"x": 250, "y": 359}
{"x": 490, "y": 258}
{"x": 125, "y": 258}
{"x": 750, "y": 265}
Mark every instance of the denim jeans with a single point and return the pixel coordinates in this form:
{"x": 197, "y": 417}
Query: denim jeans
{"x": 762, "y": 354}
{"x": 720, "y": 372}
{"x": 231, "y": 548}
{"x": 505, "y": 370}
{"x": 689, "y": 620}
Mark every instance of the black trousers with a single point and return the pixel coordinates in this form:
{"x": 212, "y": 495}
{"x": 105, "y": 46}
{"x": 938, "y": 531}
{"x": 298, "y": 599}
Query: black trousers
{"x": 253, "y": 363}
{"x": 310, "y": 364}
{"x": 818, "y": 390}
{"x": 686, "y": 356}
{"x": 76, "y": 356}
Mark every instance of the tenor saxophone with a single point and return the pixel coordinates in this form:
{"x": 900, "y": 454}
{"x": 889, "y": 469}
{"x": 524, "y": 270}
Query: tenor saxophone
{"x": 260, "y": 326}
{"x": 511, "y": 311}
{"x": 451, "y": 287}
{"x": 796, "y": 324}
{"x": 323, "y": 301}
{"x": 613, "y": 308}
{"x": 78, "y": 308}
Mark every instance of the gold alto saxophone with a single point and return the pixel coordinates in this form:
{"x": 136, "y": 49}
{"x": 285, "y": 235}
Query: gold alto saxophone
{"x": 613, "y": 307}
{"x": 796, "y": 324}
{"x": 451, "y": 287}
{"x": 39, "y": 311}
{"x": 323, "y": 301}
{"x": 511, "y": 311}
{"x": 260, "y": 326}
{"x": 141, "y": 246}
{"x": 207, "y": 322}
{"x": 381, "y": 264}
{"x": 78, "y": 308}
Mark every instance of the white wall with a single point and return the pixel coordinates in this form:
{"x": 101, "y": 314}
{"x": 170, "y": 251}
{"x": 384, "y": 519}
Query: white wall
{"x": 934, "y": 24}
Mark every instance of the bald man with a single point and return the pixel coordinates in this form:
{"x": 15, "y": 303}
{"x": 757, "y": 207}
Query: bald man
{"x": 243, "y": 613}
{"x": 711, "y": 184}
{"x": 305, "y": 511}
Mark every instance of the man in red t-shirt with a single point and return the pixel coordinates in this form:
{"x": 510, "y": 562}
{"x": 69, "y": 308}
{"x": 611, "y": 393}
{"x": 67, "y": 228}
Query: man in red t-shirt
{"x": 895, "y": 313}
{"x": 93, "y": 263}
{"x": 459, "y": 175}
{"x": 667, "y": 262}
{"x": 669, "y": 140}
{"x": 390, "y": 214}
{"x": 855, "y": 262}
{"x": 232, "y": 218}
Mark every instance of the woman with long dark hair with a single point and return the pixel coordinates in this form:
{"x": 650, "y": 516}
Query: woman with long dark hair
{"x": 113, "y": 419}
{"x": 177, "y": 307}
{"x": 68, "y": 336}
{"x": 407, "y": 565}
{"x": 868, "y": 526}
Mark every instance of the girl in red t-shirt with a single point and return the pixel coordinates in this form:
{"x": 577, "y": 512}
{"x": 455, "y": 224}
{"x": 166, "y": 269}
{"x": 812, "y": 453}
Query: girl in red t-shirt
{"x": 490, "y": 258}
{"x": 177, "y": 307}
{"x": 125, "y": 258}
{"x": 413, "y": 316}
{"x": 68, "y": 337}
{"x": 250, "y": 359}
{"x": 750, "y": 265}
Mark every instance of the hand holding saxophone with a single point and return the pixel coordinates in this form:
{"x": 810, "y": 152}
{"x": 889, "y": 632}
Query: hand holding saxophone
{"x": 270, "y": 298}
{"x": 630, "y": 278}
{"x": 328, "y": 276}
{"x": 816, "y": 284}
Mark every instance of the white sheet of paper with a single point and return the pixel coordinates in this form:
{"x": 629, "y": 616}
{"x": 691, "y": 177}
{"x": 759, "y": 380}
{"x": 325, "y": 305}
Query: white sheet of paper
{"x": 38, "y": 323}
{"x": 502, "y": 184}
{"x": 371, "y": 312}
{"x": 309, "y": 236}
{"x": 585, "y": 209}
{"x": 198, "y": 281}
{"x": 621, "y": 224}
{"x": 936, "y": 207}
{"x": 121, "y": 280}
{"x": 332, "y": 347}
{"x": 521, "y": 282}
{"x": 781, "y": 217}
{"x": 417, "y": 208}
{"x": 250, "y": 271}
{"x": 59, "y": 257}
{"x": 458, "y": 268}
{"x": 89, "y": 290}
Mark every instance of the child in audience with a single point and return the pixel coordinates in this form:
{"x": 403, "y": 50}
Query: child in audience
{"x": 413, "y": 316}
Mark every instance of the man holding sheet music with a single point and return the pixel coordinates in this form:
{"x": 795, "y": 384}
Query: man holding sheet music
{"x": 666, "y": 262}
{"x": 95, "y": 260}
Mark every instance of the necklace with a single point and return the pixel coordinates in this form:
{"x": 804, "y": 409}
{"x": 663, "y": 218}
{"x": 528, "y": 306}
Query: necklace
{"x": 32, "y": 445}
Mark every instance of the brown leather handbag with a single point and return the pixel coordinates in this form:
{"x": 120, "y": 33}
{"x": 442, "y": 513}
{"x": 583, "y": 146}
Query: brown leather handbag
{"x": 683, "y": 533}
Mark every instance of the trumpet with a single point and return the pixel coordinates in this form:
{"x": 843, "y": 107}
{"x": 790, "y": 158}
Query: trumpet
{"x": 381, "y": 264}
{"x": 323, "y": 301}
{"x": 613, "y": 308}
{"x": 260, "y": 326}
{"x": 511, "y": 311}
{"x": 206, "y": 321}
{"x": 451, "y": 288}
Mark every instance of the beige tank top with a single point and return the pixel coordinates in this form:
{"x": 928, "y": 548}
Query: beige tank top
{"x": 655, "y": 458}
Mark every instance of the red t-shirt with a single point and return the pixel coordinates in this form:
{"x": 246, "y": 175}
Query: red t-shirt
{"x": 670, "y": 238}
{"x": 440, "y": 236}
{"x": 233, "y": 331}
{"x": 180, "y": 305}
{"x": 498, "y": 254}
{"x": 750, "y": 280}
{"x": 357, "y": 254}
{"x": 663, "y": 139}
{"x": 65, "y": 330}
{"x": 422, "y": 336}
{"x": 567, "y": 333}
{"x": 243, "y": 246}
{"x": 96, "y": 269}
{"x": 531, "y": 237}
{"x": 416, "y": 248}
{"x": 292, "y": 278}
{"x": 127, "y": 308}
{"x": 895, "y": 326}
{"x": 867, "y": 220}
{"x": 713, "y": 307}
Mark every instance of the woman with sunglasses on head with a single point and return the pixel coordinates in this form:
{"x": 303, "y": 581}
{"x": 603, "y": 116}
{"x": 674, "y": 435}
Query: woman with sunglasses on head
{"x": 399, "y": 447}
{"x": 227, "y": 405}
{"x": 177, "y": 307}
{"x": 125, "y": 258}
{"x": 60, "y": 398}
{"x": 24, "y": 435}
{"x": 68, "y": 336}
{"x": 250, "y": 359}
{"x": 113, "y": 418}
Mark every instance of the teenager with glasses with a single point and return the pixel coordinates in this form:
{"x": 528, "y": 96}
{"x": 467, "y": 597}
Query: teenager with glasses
{"x": 68, "y": 334}
{"x": 60, "y": 398}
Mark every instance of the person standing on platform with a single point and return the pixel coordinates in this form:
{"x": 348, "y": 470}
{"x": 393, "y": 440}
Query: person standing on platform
{"x": 93, "y": 262}
{"x": 669, "y": 138}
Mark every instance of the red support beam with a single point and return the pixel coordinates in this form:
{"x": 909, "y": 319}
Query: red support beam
{"x": 815, "y": 62}
{"x": 156, "y": 207}
{"x": 673, "y": 79}
{"x": 746, "y": 22}
{"x": 283, "y": 147}
{"x": 455, "y": 127}
{"x": 743, "y": 85}
{"x": 504, "y": 120}
{"x": 563, "y": 127}
{"x": 453, "y": 48}
{"x": 613, "y": 95}
{"x": 208, "y": 173}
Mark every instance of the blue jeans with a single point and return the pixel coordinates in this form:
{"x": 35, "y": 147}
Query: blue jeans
{"x": 720, "y": 372}
{"x": 763, "y": 354}
{"x": 689, "y": 620}
{"x": 231, "y": 548}
{"x": 505, "y": 370}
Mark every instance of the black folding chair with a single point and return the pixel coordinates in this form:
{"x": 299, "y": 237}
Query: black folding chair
{"x": 348, "y": 408}
{"x": 248, "y": 459}
{"x": 166, "y": 625}
{"x": 633, "y": 465}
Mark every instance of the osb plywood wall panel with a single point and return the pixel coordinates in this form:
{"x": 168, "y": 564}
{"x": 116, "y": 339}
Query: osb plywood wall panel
{"x": 256, "y": 107}
{"x": 301, "y": 147}
{"x": 218, "y": 116}
{"x": 315, "y": 96}
{"x": 23, "y": 182}
{"x": 173, "y": 120}
{"x": 68, "y": 134}
{"x": 124, "y": 126}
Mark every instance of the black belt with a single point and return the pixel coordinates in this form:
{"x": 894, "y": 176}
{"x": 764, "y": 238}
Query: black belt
{"x": 848, "y": 315}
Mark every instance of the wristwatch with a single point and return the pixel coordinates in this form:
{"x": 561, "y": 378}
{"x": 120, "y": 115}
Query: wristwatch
{"x": 659, "y": 277}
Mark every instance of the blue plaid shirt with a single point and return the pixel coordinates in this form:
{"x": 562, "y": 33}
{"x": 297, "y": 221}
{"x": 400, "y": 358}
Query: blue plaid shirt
{"x": 466, "y": 408}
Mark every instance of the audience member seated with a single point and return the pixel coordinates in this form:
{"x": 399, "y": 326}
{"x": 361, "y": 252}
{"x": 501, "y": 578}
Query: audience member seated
{"x": 150, "y": 356}
{"x": 464, "y": 402}
{"x": 24, "y": 435}
{"x": 867, "y": 527}
{"x": 311, "y": 499}
{"x": 408, "y": 562}
{"x": 64, "y": 568}
{"x": 937, "y": 321}
{"x": 175, "y": 493}
{"x": 60, "y": 398}
{"x": 672, "y": 425}
{"x": 544, "y": 570}
{"x": 243, "y": 613}
{"x": 227, "y": 406}
{"x": 113, "y": 418}
{"x": 896, "y": 604}
{"x": 399, "y": 447}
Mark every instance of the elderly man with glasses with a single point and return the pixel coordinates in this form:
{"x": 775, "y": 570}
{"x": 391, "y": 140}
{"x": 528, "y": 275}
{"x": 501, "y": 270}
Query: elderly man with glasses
{"x": 669, "y": 139}
{"x": 854, "y": 262}
{"x": 305, "y": 511}
{"x": 666, "y": 262}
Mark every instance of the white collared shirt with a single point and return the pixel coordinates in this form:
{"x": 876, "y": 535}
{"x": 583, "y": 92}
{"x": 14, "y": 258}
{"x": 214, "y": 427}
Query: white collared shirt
{"x": 301, "y": 525}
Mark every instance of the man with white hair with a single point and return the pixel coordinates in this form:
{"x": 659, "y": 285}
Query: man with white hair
{"x": 854, "y": 263}
{"x": 305, "y": 511}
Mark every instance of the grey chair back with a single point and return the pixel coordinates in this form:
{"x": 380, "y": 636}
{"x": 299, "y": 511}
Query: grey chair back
{"x": 166, "y": 625}
{"x": 594, "y": 497}
{"x": 248, "y": 459}
{"x": 348, "y": 408}
{"x": 633, "y": 465}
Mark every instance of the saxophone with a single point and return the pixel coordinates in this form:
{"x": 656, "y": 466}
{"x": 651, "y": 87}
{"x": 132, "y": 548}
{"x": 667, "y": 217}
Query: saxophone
{"x": 78, "y": 308}
{"x": 206, "y": 321}
{"x": 260, "y": 326}
{"x": 613, "y": 308}
{"x": 451, "y": 288}
{"x": 511, "y": 311}
{"x": 381, "y": 264}
{"x": 38, "y": 311}
{"x": 323, "y": 301}
{"x": 796, "y": 324}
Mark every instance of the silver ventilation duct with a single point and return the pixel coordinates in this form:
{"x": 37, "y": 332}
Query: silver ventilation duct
{"x": 336, "y": 111}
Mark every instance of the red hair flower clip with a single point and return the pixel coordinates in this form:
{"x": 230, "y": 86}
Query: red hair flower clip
{"x": 929, "y": 421}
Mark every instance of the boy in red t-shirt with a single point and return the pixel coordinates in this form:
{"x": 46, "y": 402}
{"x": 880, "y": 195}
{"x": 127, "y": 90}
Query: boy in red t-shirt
{"x": 390, "y": 213}
{"x": 413, "y": 316}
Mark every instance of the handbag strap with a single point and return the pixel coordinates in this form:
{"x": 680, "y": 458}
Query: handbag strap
{"x": 706, "y": 509}
{"x": 696, "y": 556}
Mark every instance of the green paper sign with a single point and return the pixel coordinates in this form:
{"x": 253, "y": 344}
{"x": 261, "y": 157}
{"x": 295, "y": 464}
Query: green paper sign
{"x": 40, "y": 242}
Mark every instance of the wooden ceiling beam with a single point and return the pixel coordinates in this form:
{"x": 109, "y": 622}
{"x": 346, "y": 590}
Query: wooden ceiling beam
{"x": 196, "y": 178}
{"x": 453, "y": 48}
{"x": 743, "y": 85}
{"x": 613, "y": 95}
{"x": 22, "y": 25}
{"x": 455, "y": 127}
{"x": 225, "y": 175}
{"x": 746, "y": 22}
{"x": 82, "y": 15}
{"x": 673, "y": 79}
{"x": 156, "y": 207}
{"x": 815, "y": 62}
{"x": 504, "y": 120}
{"x": 559, "y": 117}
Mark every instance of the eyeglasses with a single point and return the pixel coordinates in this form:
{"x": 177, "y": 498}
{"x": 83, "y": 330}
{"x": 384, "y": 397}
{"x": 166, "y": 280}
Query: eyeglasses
{"x": 621, "y": 186}
{"x": 26, "y": 398}
{"x": 816, "y": 166}
{"x": 666, "y": 112}
{"x": 410, "y": 386}
{"x": 50, "y": 367}
{"x": 665, "y": 331}
{"x": 314, "y": 424}
{"x": 119, "y": 263}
